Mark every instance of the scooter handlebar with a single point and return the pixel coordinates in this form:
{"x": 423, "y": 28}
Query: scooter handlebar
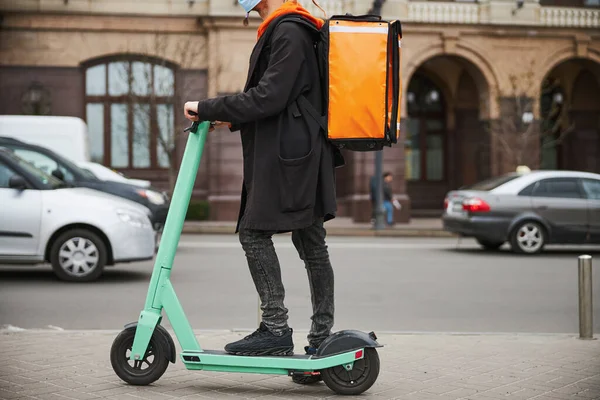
{"x": 195, "y": 124}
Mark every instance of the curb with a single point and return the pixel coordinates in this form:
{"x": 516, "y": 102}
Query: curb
{"x": 333, "y": 231}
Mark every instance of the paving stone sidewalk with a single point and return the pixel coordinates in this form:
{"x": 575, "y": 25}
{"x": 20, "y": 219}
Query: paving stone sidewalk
{"x": 59, "y": 365}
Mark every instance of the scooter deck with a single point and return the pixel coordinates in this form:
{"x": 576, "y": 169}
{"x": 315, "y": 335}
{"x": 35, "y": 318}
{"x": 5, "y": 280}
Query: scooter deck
{"x": 217, "y": 360}
{"x": 224, "y": 353}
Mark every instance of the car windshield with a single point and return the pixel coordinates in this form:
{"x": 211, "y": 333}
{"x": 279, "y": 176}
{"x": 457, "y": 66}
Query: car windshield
{"x": 89, "y": 172}
{"x": 48, "y": 181}
{"x": 73, "y": 167}
{"x": 491, "y": 183}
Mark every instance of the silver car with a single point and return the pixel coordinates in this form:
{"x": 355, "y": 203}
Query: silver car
{"x": 527, "y": 210}
{"x": 77, "y": 230}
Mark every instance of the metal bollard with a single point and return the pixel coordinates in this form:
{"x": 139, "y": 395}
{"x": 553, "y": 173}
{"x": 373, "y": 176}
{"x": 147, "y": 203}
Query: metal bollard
{"x": 586, "y": 323}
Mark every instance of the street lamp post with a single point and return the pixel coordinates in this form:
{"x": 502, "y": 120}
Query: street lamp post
{"x": 379, "y": 211}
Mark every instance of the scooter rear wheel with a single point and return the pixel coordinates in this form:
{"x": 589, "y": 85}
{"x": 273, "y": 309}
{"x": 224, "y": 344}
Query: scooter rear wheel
{"x": 363, "y": 375}
{"x": 138, "y": 372}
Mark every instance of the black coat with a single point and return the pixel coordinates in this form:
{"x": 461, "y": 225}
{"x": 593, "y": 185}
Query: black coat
{"x": 289, "y": 173}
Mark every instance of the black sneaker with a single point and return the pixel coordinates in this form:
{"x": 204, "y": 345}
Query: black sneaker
{"x": 310, "y": 377}
{"x": 263, "y": 342}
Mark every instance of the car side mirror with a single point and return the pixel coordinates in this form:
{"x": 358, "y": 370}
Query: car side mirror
{"x": 17, "y": 182}
{"x": 57, "y": 173}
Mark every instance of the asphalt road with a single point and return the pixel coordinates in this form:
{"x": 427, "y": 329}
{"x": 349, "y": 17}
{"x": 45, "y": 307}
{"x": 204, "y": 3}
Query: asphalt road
{"x": 382, "y": 284}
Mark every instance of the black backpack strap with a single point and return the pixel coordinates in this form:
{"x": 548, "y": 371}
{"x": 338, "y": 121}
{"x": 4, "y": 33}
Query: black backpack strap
{"x": 307, "y": 107}
{"x": 302, "y": 101}
{"x": 289, "y": 18}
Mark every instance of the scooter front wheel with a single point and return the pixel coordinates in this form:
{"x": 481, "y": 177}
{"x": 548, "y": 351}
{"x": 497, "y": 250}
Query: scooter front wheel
{"x": 138, "y": 372}
{"x": 360, "y": 378}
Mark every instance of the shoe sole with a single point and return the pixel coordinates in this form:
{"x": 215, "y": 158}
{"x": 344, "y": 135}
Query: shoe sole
{"x": 279, "y": 351}
{"x": 307, "y": 380}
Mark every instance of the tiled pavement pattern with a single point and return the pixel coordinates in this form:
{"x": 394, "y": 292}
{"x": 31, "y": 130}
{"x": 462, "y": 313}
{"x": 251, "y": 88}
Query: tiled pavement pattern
{"x": 59, "y": 365}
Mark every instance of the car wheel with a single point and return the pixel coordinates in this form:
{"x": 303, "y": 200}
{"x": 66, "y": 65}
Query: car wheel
{"x": 528, "y": 237}
{"x": 489, "y": 245}
{"x": 78, "y": 255}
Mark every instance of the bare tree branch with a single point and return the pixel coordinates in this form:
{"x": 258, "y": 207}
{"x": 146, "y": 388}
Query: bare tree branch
{"x": 519, "y": 136}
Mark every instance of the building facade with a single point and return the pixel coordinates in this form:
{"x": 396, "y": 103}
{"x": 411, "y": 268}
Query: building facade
{"x": 487, "y": 85}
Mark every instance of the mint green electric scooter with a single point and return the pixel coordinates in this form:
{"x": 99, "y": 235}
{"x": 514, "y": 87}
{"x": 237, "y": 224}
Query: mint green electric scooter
{"x": 347, "y": 360}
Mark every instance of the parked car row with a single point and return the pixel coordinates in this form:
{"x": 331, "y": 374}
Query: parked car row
{"x": 58, "y": 166}
{"x": 57, "y": 207}
{"x": 528, "y": 210}
{"x": 78, "y": 230}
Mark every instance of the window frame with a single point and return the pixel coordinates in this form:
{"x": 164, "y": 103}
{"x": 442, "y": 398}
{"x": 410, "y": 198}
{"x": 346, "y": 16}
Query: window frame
{"x": 25, "y": 169}
{"x": 9, "y": 168}
{"x": 60, "y": 161}
{"x": 582, "y": 182}
{"x": 70, "y": 177}
{"x": 130, "y": 99}
{"x": 534, "y": 186}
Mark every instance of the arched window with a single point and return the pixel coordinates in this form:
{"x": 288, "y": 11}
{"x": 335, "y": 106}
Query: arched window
{"x": 129, "y": 112}
{"x": 425, "y": 142}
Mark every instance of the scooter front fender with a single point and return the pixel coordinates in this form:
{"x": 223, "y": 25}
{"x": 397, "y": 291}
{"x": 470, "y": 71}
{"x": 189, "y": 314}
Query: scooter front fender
{"x": 161, "y": 334}
{"x": 345, "y": 341}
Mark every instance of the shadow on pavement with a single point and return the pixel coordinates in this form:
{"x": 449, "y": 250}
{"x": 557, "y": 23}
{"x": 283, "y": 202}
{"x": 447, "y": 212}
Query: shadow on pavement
{"x": 29, "y": 274}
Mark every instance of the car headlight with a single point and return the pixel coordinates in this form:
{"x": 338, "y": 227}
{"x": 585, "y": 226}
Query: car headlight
{"x": 134, "y": 219}
{"x": 152, "y": 196}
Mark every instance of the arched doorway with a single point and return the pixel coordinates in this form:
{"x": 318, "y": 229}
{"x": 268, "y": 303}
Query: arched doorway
{"x": 570, "y": 113}
{"x": 447, "y": 144}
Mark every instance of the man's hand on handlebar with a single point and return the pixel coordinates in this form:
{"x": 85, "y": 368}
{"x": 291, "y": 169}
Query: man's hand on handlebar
{"x": 191, "y": 112}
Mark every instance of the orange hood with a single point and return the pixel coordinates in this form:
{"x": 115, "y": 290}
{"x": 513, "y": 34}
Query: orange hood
{"x": 289, "y": 8}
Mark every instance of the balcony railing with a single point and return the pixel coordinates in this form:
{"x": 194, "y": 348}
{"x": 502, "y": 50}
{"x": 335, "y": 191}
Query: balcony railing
{"x": 443, "y": 12}
{"x": 332, "y": 7}
{"x": 500, "y": 12}
{"x": 570, "y": 17}
{"x": 147, "y": 7}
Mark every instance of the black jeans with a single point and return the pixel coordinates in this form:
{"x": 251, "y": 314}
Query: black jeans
{"x": 266, "y": 273}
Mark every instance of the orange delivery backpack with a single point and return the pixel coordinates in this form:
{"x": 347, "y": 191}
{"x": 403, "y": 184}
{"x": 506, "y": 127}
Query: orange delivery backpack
{"x": 359, "y": 59}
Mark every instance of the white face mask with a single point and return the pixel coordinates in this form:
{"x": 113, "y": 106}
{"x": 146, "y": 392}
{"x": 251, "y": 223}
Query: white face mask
{"x": 248, "y": 5}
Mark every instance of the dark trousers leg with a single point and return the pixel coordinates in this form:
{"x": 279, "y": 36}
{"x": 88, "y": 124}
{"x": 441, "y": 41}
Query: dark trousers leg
{"x": 266, "y": 274}
{"x": 310, "y": 243}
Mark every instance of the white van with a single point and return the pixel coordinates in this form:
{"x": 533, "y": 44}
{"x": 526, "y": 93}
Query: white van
{"x": 66, "y": 136}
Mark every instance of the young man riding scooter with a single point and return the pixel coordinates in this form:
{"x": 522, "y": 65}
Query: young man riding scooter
{"x": 289, "y": 173}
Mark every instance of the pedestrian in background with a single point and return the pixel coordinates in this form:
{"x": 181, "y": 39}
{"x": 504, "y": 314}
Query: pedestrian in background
{"x": 389, "y": 203}
{"x": 388, "y": 198}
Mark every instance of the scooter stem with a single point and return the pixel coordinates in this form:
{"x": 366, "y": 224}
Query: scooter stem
{"x": 180, "y": 201}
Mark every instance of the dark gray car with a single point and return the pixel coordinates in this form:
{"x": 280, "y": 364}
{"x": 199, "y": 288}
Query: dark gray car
{"x": 528, "y": 210}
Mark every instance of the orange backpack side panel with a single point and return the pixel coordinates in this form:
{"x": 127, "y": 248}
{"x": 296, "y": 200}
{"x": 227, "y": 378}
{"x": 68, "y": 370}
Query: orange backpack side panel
{"x": 357, "y": 92}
